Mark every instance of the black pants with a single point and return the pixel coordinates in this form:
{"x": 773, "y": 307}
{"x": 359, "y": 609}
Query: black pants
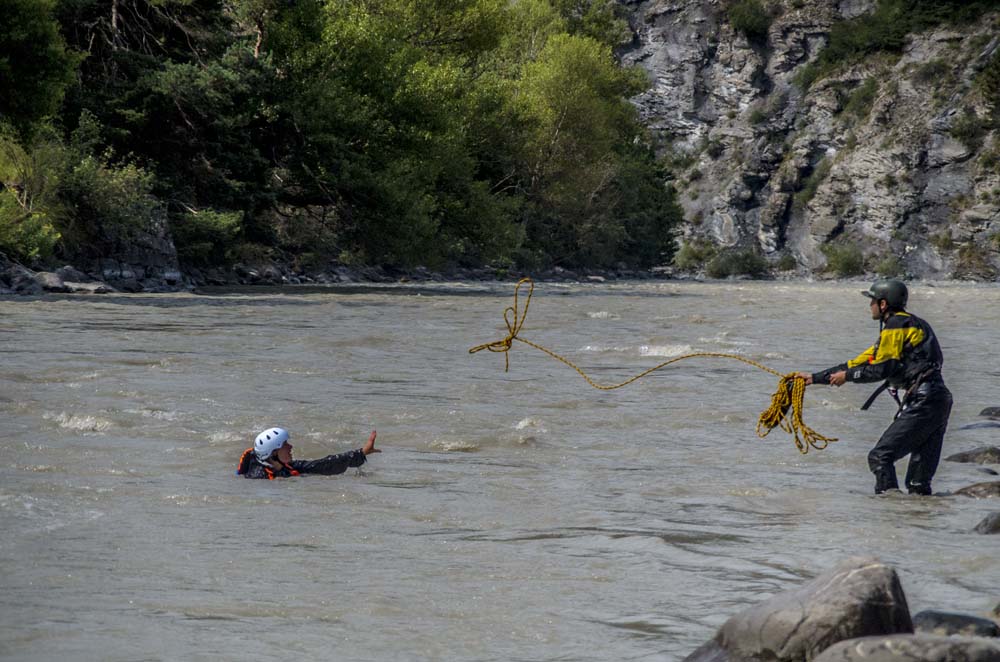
{"x": 917, "y": 431}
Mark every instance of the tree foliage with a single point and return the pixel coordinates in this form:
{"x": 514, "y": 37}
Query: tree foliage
{"x": 462, "y": 132}
{"x": 35, "y": 65}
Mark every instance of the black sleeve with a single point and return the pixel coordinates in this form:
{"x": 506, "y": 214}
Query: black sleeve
{"x": 875, "y": 372}
{"x": 823, "y": 377}
{"x": 331, "y": 464}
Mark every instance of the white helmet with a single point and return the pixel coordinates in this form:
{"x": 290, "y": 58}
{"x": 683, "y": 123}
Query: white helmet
{"x": 269, "y": 441}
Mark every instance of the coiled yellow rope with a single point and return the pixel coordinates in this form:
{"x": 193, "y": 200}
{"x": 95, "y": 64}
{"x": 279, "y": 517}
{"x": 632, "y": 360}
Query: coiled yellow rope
{"x": 790, "y": 393}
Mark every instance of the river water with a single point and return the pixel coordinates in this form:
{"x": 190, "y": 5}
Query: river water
{"x": 517, "y": 516}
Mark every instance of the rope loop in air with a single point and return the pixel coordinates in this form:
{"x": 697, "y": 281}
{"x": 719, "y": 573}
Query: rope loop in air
{"x": 790, "y": 393}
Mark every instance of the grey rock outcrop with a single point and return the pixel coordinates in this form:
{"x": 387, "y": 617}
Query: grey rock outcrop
{"x": 982, "y": 455}
{"x": 944, "y": 623}
{"x": 89, "y": 288}
{"x": 142, "y": 260}
{"x": 50, "y": 282}
{"x": 18, "y": 280}
{"x": 888, "y": 156}
{"x": 989, "y": 525}
{"x": 980, "y": 425}
{"x": 981, "y": 490}
{"x": 860, "y": 597}
{"x": 912, "y": 648}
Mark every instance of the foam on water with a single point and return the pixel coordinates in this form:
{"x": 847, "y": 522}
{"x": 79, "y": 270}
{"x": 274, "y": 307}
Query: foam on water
{"x": 665, "y": 351}
{"x": 724, "y": 340}
{"x": 640, "y": 350}
{"x": 225, "y": 436}
{"x": 79, "y": 422}
{"x": 454, "y": 445}
{"x": 156, "y": 414}
{"x": 529, "y": 423}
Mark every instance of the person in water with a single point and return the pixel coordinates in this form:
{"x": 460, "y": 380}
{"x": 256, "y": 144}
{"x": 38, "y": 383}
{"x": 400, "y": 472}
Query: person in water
{"x": 271, "y": 457}
{"x": 908, "y": 358}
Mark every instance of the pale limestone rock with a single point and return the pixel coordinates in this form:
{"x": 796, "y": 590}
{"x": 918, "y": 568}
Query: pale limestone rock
{"x": 898, "y": 175}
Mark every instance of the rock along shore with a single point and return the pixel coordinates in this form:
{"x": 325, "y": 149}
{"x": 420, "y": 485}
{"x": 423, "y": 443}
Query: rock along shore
{"x": 18, "y": 279}
{"x": 853, "y": 612}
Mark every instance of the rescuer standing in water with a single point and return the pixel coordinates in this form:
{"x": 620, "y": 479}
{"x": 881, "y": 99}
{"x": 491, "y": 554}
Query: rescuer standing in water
{"x": 908, "y": 359}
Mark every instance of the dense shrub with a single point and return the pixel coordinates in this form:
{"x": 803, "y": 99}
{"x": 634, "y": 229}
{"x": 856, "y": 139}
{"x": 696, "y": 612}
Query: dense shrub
{"x": 737, "y": 263}
{"x": 968, "y": 129}
{"x": 30, "y": 208}
{"x": 715, "y": 148}
{"x": 860, "y": 101}
{"x": 758, "y": 115}
{"x": 203, "y": 237}
{"x": 988, "y": 83}
{"x": 844, "y": 259}
{"x": 886, "y": 29}
{"x": 932, "y": 73}
{"x": 786, "y": 262}
{"x": 64, "y": 198}
{"x": 693, "y": 255}
{"x": 942, "y": 241}
{"x": 751, "y": 18}
{"x": 973, "y": 262}
{"x": 811, "y": 184}
{"x": 890, "y": 266}
{"x": 989, "y": 161}
{"x": 25, "y": 235}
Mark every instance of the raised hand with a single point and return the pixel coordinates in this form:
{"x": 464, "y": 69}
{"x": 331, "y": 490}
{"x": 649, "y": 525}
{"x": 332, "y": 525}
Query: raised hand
{"x": 369, "y": 446}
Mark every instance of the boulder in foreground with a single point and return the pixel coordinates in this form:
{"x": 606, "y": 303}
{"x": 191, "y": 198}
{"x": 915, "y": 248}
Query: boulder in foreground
{"x": 861, "y": 597}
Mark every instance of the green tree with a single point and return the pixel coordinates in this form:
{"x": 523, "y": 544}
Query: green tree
{"x": 177, "y": 92}
{"x": 574, "y": 97}
{"x": 35, "y": 65}
{"x": 30, "y": 208}
{"x": 602, "y": 20}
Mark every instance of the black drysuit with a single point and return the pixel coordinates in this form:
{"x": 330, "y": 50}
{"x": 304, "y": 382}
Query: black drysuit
{"x": 251, "y": 467}
{"x": 908, "y": 357}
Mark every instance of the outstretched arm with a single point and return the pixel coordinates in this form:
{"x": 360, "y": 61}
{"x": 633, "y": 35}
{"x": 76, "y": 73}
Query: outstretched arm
{"x": 833, "y": 378}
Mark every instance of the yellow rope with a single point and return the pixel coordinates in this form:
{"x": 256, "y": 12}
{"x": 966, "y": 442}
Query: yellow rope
{"x": 790, "y": 393}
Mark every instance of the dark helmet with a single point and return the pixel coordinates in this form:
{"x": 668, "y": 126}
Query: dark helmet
{"x": 893, "y": 291}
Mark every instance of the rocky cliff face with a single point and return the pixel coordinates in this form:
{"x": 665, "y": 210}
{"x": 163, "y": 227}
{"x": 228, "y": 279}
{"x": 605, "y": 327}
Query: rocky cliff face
{"x": 890, "y": 159}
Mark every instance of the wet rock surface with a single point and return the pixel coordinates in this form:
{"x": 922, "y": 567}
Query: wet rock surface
{"x": 912, "y": 648}
{"x": 945, "y": 623}
{"x": 860, "y": 597}
{"x": 989, "y": 525}
{"x": 981, "y": 455}
{"x": 981, "y": 490}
